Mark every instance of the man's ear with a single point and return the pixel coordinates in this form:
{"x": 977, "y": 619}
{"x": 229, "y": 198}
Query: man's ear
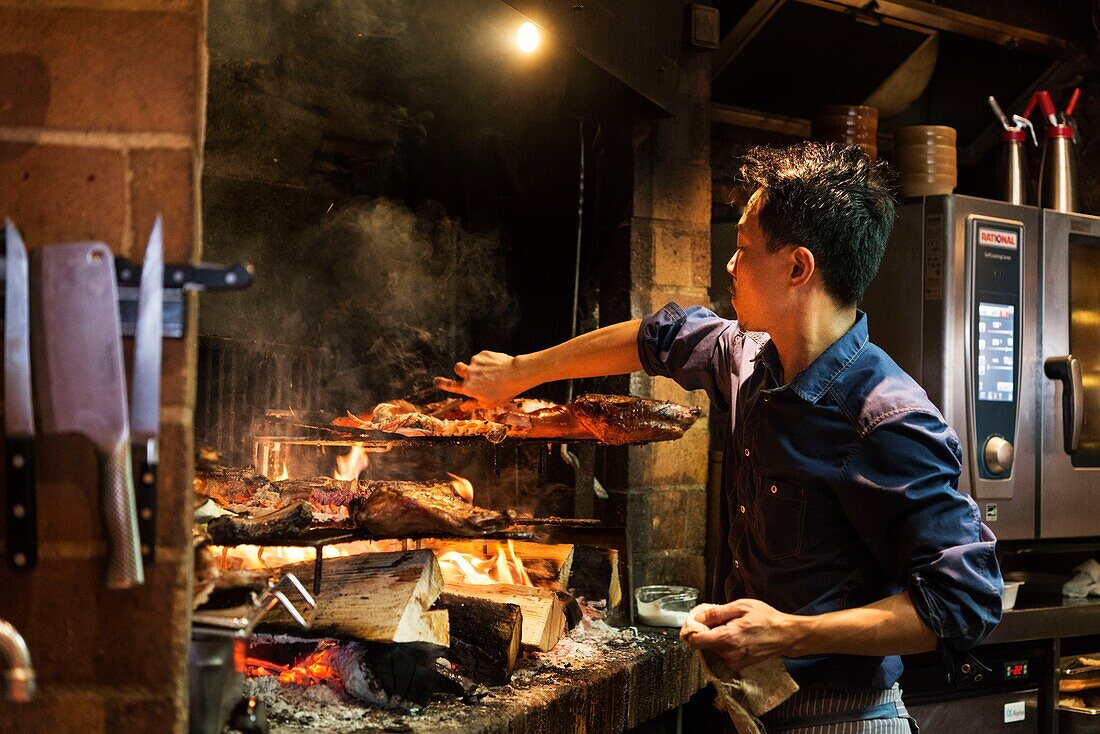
{"x": 802, "y": 265}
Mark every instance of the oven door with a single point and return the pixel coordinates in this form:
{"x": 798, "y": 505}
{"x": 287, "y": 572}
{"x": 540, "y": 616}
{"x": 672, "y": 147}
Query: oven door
{"x": 1069, "y": 406}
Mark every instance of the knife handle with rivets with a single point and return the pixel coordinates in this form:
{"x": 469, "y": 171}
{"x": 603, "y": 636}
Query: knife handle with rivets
{"x": 22, "y": 517}
{"x": 124, "y": 566}
{"x": 145, "y": 487}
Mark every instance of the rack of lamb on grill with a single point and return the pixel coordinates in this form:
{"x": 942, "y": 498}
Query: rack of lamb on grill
{"x": 610, "y": 419}
{"x": 391, "y": 509}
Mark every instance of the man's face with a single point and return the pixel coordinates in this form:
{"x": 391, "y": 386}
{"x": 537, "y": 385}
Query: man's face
{"x": 758, "y": 278}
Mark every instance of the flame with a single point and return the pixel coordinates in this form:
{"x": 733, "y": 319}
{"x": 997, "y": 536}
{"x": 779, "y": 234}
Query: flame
{"x": 503, "y": 567}
{"x": 352, "y": 464}
{"x": 273, "y": 556}
{"x": 463, "y": 487}
{"x": 313, "y": 669}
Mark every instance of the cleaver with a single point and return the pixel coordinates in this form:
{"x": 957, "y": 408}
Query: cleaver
{"x": 80, "y": 381}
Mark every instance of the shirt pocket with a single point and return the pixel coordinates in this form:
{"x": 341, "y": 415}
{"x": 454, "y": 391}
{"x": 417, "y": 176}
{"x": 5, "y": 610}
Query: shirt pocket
{"x": 780, "y": 518}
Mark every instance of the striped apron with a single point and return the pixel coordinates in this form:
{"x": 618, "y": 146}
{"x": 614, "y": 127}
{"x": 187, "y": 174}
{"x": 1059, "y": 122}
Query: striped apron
{"x": 824, "y": 711}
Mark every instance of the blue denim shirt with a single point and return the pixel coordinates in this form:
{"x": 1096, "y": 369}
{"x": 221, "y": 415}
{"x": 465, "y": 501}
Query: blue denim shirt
{"x": 842, "y": 488}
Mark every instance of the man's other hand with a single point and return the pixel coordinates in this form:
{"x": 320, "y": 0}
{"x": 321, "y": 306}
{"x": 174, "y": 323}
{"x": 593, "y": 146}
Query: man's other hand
{"x": 744, "y": 632}
{"x": 490, "y": 378}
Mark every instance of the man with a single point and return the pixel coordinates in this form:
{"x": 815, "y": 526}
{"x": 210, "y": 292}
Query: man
{"x": 848, "y": 542}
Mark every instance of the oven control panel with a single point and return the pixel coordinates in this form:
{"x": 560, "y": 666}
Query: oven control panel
{"x": 995, "y": 320}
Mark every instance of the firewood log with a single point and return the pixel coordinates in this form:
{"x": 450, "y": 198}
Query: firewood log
{"x": 595, "y": 574}
{"x": 543, "y": 618}
{"x": 375, "y": 597}
{"x": 485, "y": 636}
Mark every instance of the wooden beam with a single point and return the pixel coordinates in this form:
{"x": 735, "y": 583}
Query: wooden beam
{"x": 743, "y": 117}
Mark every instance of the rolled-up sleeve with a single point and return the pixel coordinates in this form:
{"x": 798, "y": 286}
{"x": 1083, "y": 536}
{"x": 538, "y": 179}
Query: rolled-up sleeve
{"x": 693, "y": 346}
{"x": 899, "y": 489}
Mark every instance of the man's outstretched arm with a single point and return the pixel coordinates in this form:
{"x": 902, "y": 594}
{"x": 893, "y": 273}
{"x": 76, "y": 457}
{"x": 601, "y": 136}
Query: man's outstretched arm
{"x": 492, "y": 377}
{"x": 748, "y": 631}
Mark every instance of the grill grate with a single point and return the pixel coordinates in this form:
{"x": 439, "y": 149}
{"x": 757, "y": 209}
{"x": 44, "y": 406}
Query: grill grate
{"x": 241, "y": 381}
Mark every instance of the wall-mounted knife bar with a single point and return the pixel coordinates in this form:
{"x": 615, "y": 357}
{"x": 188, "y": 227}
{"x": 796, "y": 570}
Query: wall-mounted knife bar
{"x": 177, "y": 279}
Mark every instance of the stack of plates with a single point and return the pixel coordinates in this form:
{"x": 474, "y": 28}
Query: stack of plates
{"x": 848, "y": 125}
{"x": 924, "y": 156}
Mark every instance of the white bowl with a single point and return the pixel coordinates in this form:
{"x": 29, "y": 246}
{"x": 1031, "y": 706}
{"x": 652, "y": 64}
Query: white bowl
{"x": 1008, "y": 596}
{"x": 665, "y": 606}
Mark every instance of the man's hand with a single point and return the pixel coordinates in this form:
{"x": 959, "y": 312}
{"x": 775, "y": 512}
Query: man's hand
{"x": 745, "y": 632}
{"x": 490, "y": 378}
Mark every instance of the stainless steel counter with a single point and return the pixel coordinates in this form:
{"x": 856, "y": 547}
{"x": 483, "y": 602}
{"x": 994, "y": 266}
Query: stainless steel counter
{"x": 1042, "y": 617}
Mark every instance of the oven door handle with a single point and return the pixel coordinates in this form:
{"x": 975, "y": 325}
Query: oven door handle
{"x": 1067, "y": 369}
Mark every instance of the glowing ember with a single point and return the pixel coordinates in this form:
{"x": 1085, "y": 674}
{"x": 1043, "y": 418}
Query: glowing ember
{"x": 463, "y": 487}
{"x": 310, "y": 671}
{"x": 503, "y": 567}
{"x": 352, "y": 464}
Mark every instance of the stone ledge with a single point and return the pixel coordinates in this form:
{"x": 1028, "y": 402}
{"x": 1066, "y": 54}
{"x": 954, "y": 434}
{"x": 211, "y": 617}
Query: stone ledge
{"x": 616, "y": 691}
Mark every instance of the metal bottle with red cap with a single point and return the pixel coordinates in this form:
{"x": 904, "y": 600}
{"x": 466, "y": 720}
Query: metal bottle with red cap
{"x": 1059, "y": 165}
{"x": 1012, "y": 168}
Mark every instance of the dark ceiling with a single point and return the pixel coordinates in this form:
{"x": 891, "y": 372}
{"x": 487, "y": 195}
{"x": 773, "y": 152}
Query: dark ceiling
{"x": 790, "y": 57}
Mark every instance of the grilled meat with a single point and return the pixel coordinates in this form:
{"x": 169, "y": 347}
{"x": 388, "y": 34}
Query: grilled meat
{"x": 611, "y": 419}
{"x": 399, "y": 509}
{"x": 229, "y": 485}
{"x": 621, "y": 419}
{"x": 285, "y": 522}
{"x": 397, "y": 418}
{"x": 319, "y": 492}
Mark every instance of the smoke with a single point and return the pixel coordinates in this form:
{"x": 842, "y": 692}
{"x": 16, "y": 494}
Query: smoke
{"x": 408, "y": 293}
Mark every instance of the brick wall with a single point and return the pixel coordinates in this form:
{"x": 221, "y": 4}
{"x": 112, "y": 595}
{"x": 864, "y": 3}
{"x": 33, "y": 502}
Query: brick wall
{"x": 670, "y": 260}
{"x": 101, "y": 123}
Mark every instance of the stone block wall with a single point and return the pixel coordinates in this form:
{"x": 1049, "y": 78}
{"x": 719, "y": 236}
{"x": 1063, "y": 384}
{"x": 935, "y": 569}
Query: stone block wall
{"x": 101, "y": 124}
{"x": 670, "y": 261}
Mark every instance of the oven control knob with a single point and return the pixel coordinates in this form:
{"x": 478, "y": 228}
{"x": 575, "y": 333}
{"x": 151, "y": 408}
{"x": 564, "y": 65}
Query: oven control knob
{"x": 998, "y": 455}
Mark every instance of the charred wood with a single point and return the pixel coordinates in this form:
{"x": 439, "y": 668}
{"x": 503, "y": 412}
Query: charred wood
{"x": 485, "y": 636}
{"x": 595, "y": 574}
{"x": 543, "y": 621}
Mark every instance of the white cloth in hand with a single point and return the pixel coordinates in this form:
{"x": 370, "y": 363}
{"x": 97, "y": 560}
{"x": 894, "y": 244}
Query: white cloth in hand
{"x": 742, "y": 694}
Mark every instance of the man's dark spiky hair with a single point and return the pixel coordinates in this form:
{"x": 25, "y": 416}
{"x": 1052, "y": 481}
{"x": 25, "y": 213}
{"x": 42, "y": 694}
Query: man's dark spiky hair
{"x": 833, "y": 200}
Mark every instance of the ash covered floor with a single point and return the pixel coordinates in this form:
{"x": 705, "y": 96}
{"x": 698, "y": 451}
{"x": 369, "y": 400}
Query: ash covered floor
{"x": 597, "y": 679}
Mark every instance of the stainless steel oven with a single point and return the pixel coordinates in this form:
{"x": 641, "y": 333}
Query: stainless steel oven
{"x": 995, "y": 310}
{"x": 1069, "y": 393}
{"x": 956, "y": 304}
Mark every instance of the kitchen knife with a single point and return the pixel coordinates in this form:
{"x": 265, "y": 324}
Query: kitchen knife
{"x": 22, "y": 523}
{"x": 80, "y": 381}
{"x": 145, "y": 389}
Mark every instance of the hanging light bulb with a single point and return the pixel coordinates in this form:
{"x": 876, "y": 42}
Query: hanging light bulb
{"x": 528, "y": 37}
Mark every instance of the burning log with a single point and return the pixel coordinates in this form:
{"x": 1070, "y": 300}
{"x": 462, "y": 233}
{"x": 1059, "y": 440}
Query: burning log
{"x": 374, "y": 597}
{"x": 543, "y": 617}
{"x": 546, "y": 564}
{"x": 285, "y": 522}
{"x": 485, "y": 636}
{"x": 595, "y": 574}
{"x": 394, "y": 677}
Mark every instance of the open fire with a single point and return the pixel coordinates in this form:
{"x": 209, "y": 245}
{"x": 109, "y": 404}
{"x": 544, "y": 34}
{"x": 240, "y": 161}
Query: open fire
{"x": 313, "y": 669}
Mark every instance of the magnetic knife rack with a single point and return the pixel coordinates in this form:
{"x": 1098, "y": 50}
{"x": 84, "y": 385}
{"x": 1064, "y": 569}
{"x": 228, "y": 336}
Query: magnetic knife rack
{"x": 178, "y": 279}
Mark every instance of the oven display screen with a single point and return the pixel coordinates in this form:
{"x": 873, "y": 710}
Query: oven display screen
{"x": 996, "y": 324}
{"x": 1017, "y": 669}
